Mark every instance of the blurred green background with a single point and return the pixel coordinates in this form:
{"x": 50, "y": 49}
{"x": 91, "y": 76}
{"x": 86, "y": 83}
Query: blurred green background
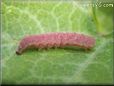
{"x": 54, "y": 66}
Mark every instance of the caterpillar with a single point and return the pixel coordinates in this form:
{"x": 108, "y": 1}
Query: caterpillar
{"x": 59, "y": 39}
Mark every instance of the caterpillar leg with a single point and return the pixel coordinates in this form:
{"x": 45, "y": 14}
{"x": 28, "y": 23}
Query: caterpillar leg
{"x": 55, "y": 46}
{"x": 87, "y": 49}
{"x": 40, "y": 47}
{"x": 48, "y": 46}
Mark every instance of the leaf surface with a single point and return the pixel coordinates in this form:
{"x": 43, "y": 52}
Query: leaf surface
{"x": 67, "y": 65}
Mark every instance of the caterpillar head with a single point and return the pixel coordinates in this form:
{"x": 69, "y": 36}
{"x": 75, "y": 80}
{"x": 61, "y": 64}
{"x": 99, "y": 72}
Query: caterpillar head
{"x": 21, "y": 47}
{"x": 19, "y": 50}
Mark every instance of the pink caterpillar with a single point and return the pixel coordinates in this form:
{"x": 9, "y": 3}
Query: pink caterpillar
{"x": 50, "y": 40}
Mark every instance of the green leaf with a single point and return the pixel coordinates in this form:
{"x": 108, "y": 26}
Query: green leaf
{"x": 66, "y": 65}
{"x": 103, "y": 16}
